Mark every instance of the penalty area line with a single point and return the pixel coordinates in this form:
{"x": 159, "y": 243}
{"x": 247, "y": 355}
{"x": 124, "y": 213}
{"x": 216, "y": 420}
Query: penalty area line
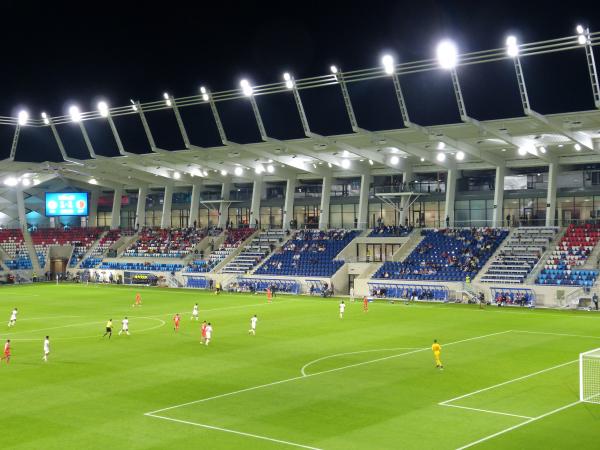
{"x": 240, "y": 433}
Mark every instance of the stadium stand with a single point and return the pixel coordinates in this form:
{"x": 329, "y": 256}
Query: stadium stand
{"x": 255, "y": 252}
{"x": 431, "y": 292}
{"x": 519, "y": 255}
{"x": 390, "y": 231}
{"x": 80, "y": 238}
{"x": 502, "y": 296}
{"x": 13, "y": 244}
{"x": 573, "y": 250}
{"x": 197, "y": 282}
{"x": 147, "y": 266}
{"x": 165, "y": 242}
{"x": 261, "y": 285}
{"x": 310, "y": 253}
{"x": 446, "y": 255}
{"x": 95, "y": 256}
{"x": 235, "y": 238}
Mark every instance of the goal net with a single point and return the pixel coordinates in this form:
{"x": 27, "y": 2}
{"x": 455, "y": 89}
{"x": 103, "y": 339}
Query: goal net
{"x": 589, "y": 376}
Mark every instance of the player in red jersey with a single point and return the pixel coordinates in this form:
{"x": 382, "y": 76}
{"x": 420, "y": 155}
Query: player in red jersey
{"x": 269, "y": 295}
{"x": 6, "y": 351}
{"x": 365, "y": 304}
{"x": 138, "y": 300}
{"x": 203, "y": 331}
{"x": 176, "y": 320}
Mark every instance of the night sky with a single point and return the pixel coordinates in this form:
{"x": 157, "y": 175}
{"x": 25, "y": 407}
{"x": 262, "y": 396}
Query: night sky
{"x": 60, "y": 53}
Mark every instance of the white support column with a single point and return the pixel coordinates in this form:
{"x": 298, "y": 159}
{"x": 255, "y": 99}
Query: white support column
{"x": 21, "y": 209}
{"x": 224, "y": 209}
{"x": 115, "y": 220}
{"x": 93, "y": 208}
{"x": 194, "y": 204}
{"x": 363, "y": 202}
{"x": 165, "y": 220}
{"x": 288, "y": 206}
{"x": 498, "y": 214}
{"x": 551, "y": 195}
{"x": 140, "y": 212}
{"x": 255, "y": 205}
{"x": 325, "y": 199}
{"x": 407, "y": 177}
{"x": 450, "y": 194}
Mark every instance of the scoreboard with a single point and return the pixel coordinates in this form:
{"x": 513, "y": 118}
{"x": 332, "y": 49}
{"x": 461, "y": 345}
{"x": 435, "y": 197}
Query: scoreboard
{"x": 66, "y": 204}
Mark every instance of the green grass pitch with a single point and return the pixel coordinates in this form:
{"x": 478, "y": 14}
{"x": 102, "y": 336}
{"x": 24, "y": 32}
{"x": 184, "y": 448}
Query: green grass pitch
{"x": 306, "y": 380}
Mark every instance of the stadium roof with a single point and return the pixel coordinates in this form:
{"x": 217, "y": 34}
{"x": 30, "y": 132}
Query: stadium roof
{"x": 531, "y": 140}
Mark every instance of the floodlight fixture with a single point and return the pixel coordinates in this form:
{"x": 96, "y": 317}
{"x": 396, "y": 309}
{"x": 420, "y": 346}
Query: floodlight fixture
{"x": 11, "y": 181}
{"x": 346, "y": 163}
{"x": 388, "y": 64}
{"x": 370, "y": 162}
{"x": 23, "y": 117}
{"x": 345, "y": 153}
{"x": 334, "y": 69}
{"x": 258, "y": 170}
{"x": 176, "y": 175}
{"x": 581, "y": 39}
{"x": 223, "y": 172}
{"x": 394, "y": 160}
{"x": 522, "y": 151}
{"x": 441, "y": 157}
{"x": 204, "y": 93}
{"x": 238, "y": 171}
{"x": 329, "y": 165}
{"x": 246, "y": 88}
{"x": 270, "y": 168}
{"x": 45, "y": 118}
{"x": 543, "y": 150}
{"x": 167, "y": 98}
{"x": 422, "y": 159}
{"x": 103, "y": 109}
{"x": 75, "y": 113}
{"x": 512, "y": 48}
{"x": 441, "y": 145}
{"x": 25, "y": 182}
{"x": 289, "y": 83}
{"x": 133, "y": 105}
{"x": 579, "y": 29}
{"x": 447, "y": 54}
{"x": 577, "y": 147}
{"x": 460, "y": 155}
{"x": 93, "y": 181}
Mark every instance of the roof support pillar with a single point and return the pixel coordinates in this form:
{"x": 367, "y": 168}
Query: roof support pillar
{"x": 499, "y": 197}
{"x": 140, "y": 212}
{"x": 407, "y": 177}
{"x": 288, "y": 206}
{"x": 21, "y": 209}
{"x": 450, "y": 194}
{"x": 551, "y": 194}
{"x": 255, "y": 205}
{"x": 115, "y": 219}
{"x": 165, "y": 220}
{"x": 93, "y": 208}
{"x": 325, "y": 200}
{"x": 194, "y": 205}
{"x": 363, "y": 202}
{"x": 224, "y": 208}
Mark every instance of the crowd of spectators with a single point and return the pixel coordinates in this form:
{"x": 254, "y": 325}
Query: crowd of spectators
{"x": 390, "y": 231}
{"x": 165, "y": 242}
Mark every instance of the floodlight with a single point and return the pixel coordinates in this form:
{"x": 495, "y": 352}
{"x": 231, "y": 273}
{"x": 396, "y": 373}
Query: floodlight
{"x": 239, "y": 171}
{"x": 333, "y": 69}
{"x": 270, "y": 168}
{"x": 441, "y": 157}
{"x": 447, "y": 54}
{"x": 289, "y": 83}
{"x": 258, "y": 170}
{"x": 422, "y": 159}
{"x": 388, "y": 64}
{"x": 577, "y": 147}
{"x": 329, "y": 165}
{"x": 460, "y": 155}
{"x": 512, "y": 48}
{"x": 394, "y": 160}
{"x": 93, "y": 181}
{"x": 246, "y": 88}
{"x": 370, "y": 162}
{"x": 522, "y": 151}
{"x": 345, "y": 163}
{"x": 224, "y": 172}
{"x": 543, "y": 149}
{"x": 205, "y": 173}
{"x": 167, "y": 98}
{"x": 579, "y": 29}
{"x": 23, "y": 117}
{"x": 133, "y": 105}
{"x": 581, "y": 39}
{"x": 25, "y": 182}
{"x": 176, "y": 175}
{"x": 103, "y": 109}
{"x": 75, "y": 113}
{"x": 11, "y": 181}
{"x": 36, "y": 181}
{"x": 441, "y": 145}
{"x": 45, "y": 118}
{"x": 345, "y": 153}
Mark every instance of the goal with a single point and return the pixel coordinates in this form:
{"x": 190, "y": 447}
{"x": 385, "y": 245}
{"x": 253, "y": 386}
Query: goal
{"x": 589, "y": 376}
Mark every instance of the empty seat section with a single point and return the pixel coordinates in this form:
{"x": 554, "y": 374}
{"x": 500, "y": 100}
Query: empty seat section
{"x": 258, "y": 249}
{"x": 235, "y": 238}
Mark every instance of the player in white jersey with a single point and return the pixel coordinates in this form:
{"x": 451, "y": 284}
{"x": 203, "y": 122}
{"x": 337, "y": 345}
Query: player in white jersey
{"x": 352, "y": 294}
{"x": 46, "y": 348}
{"x": 208, "y": 333}
{"x": 124, "y": 326}
{"x": 342, "y": 309}
{"x": 253, "y": 321}
{"x": 13, "y": 318}
{"x": 195, "y": 312}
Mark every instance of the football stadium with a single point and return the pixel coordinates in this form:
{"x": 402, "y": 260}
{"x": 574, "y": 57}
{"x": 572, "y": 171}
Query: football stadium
{"x": 185, "y": 273}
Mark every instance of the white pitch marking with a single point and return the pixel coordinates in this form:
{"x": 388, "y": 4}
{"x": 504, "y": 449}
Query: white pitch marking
{"x": 252, "y": 388}
{"x": 445, "y": 402}
{"x": 227, "y": 430}
{"x": 556, "y": 334}
{"x": 514, "y": 427}
{"x": 486, "y": 411}
{"x": 303, "y": 370}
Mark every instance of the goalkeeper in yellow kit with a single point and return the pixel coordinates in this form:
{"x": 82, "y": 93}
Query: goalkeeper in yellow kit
{"x": 437, "y": 351}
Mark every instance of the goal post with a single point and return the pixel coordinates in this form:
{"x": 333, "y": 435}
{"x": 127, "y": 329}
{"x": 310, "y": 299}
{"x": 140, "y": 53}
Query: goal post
{"x": 589, "y": 376}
